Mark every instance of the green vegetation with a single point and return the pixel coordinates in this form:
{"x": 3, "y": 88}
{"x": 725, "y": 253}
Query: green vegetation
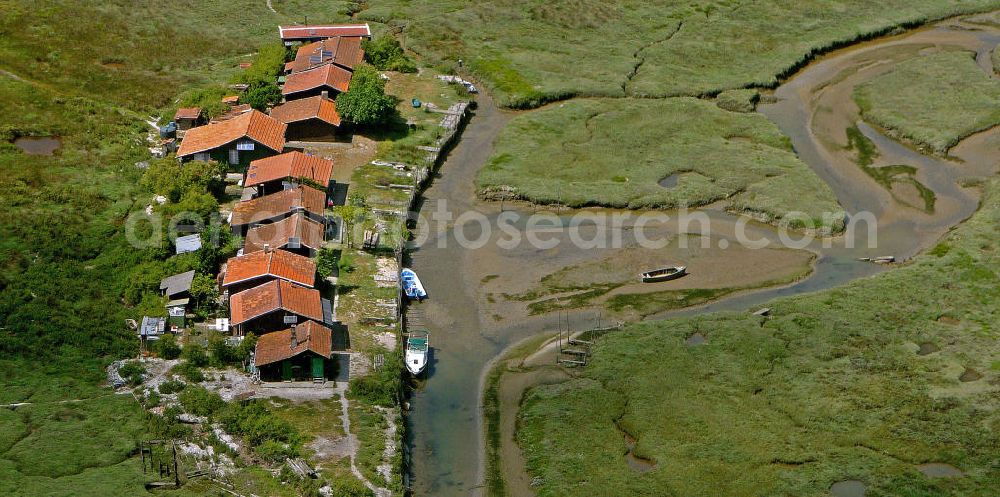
{"x": 829, "y": 387}
{"x": 366, "y": 102}
{"x": 888, "y": 176}
{"x": 613, "y": 153}
{"x": 738, "y": 100}
{"x": 385, "y": 53}
{"x": 948, "y": 97}
{"x": 530, "y": 52}
{"x": 381, "y": 387}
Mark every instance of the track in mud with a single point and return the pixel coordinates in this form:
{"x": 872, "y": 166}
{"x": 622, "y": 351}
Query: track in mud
{"x": 470, "y": 326}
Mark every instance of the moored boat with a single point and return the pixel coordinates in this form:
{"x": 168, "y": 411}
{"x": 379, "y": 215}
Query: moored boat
{"x": 663, "y": 274}
{"x": 417, "y": 349}
{"x": 411, "y": 284}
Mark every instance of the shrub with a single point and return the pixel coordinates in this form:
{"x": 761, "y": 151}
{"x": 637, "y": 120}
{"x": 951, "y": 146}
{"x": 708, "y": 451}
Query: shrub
{"x": 152, "y": 399}
{"x": 262, "y": 95}
{"x": 190, "y": 372}
{"x": 386, "y": 54}
{"x": 366, "y": 101}
{"x": 200, "y": 402}
{"x": 195, "y": 355}
{"x": 167, "y": 348}
{"x": 349, "y": 487}
{"x": 261, "y": 429}
{"x": 222, "y": 352}
{"x": 132, "y": 372}
{"x": 171, "y": 386}
{"x": 274, "y": 451}
{"x": 381, "y": 387}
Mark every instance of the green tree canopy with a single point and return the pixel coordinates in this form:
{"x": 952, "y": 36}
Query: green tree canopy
{"x": 366, "y": 101}
{"x": 386, "y": 54}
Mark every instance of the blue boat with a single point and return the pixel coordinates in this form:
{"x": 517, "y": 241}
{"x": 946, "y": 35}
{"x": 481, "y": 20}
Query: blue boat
{"x": 411, "y": 284}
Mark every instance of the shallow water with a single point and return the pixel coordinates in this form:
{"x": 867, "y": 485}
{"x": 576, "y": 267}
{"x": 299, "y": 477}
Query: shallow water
{"x": 38, "y": 145}
{"x": 445, "y": 427}
{"x": 670, "y": 181}
{"x": 939, "y": 470}
{"x": 848, "y": 488}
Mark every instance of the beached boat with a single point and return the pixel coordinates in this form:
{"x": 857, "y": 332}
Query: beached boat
{"x": 663, "y": 274}
{"x": 417, "y": 349}
{"x": 411, "y": 284}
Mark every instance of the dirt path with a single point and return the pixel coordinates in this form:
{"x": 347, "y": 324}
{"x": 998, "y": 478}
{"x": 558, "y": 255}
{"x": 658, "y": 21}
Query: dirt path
{"x": 352, "y": 443}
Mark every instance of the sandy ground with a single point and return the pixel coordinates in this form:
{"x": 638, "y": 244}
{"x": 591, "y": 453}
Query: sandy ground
{"x": 346, "y": 156}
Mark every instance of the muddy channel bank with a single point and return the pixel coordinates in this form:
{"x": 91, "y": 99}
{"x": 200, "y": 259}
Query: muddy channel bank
{"x": 471, "y": 323}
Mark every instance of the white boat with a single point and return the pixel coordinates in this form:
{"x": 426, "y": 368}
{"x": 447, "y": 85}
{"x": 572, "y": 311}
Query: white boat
{"x": 664, "y": 274}
{"x": 417, "y": 349}
{"x": 411, "y": 284}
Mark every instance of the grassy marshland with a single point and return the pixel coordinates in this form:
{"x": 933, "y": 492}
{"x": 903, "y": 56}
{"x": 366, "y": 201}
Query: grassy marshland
{"x": 614, "y": 152}
{"x": 830, "y": 388}
{"x": 947, "y": 97}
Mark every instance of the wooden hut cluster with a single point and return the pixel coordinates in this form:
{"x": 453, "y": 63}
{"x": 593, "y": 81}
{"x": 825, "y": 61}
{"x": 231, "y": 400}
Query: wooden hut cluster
{"x": 271, "y": 284}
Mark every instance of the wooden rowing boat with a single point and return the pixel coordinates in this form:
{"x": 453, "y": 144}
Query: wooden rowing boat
{"x": 663, "y": 274}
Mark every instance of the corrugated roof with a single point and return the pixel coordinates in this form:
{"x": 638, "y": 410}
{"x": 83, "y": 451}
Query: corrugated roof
{"x": 178, "y": 283}
{"x": 187, "y": 113}
{"x": 254, "y": 125}
{"x": 306, "y": 231}
{"x": 278, "y": 346}
{"x": 275, "y": 263}
{"x": 328, "y": 75}
{"x": 275, "y": 296}
{"x": 296, "y": 165}
{"x": 276, "y": 204}
{"x": 316, "y": 107}
{"x": 323, "y": 31}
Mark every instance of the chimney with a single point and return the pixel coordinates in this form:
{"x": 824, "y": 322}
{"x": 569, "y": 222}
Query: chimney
{"x": 294, "y": 342}
{"x": 267, "y": 247}
{"x": 325, "y": 94}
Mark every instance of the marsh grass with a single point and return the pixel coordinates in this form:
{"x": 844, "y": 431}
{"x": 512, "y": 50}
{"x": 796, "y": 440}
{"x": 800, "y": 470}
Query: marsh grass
{"x": 612, "y": 152}
{"x": 529, "y": 53}
{"x": 830, "y": 387}
{"x": 948, "y": 97}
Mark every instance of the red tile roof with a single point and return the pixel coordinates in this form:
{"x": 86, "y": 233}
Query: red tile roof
{"x": 276, "y": 204}
{"x": 254, "y": 125}
{"x": 329, "y": 76}
{"x": 231, "y": 99}
{"x": 278, "y": 346}
{"x": 289, "y": 33}
{"x": 316, "y": 107}
{"x": 187, "y": 113}
{"x": 274, "y": 296}
{"x": 275, "y": 263}
{"x": 295, "y": 165}
{"x": 343, "y": 51}
{"x": 277, "y": 235}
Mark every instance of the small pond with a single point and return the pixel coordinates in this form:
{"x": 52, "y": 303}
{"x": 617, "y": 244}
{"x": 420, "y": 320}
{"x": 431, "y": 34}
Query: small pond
{"x": 38, "y": 145}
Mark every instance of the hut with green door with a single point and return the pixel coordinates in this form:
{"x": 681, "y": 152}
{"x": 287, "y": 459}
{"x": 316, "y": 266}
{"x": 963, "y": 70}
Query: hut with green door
{"x": 236, "y": 142}
{"x": 300, "y": 353}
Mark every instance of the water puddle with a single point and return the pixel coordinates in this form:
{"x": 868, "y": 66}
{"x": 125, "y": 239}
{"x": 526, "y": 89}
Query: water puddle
{"x": 38, "y": 145}
{"x": 927, "y": 348}
{"x": 635, "y": 462}
{"x": 670, "y": 181}
{"x": 848, "y": 488}
{"x": 694, "y": 340}
{"x": 970, "y": 375}
{"x": 939, "y": 470}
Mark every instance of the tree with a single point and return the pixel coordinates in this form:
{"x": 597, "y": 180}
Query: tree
{"x": 366, "y": 101}
{"x": 203, "y": 293}
{"x": 386, "y": 54}
{"x": 172, "y": 180}
{"x": 260, "y": 96}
